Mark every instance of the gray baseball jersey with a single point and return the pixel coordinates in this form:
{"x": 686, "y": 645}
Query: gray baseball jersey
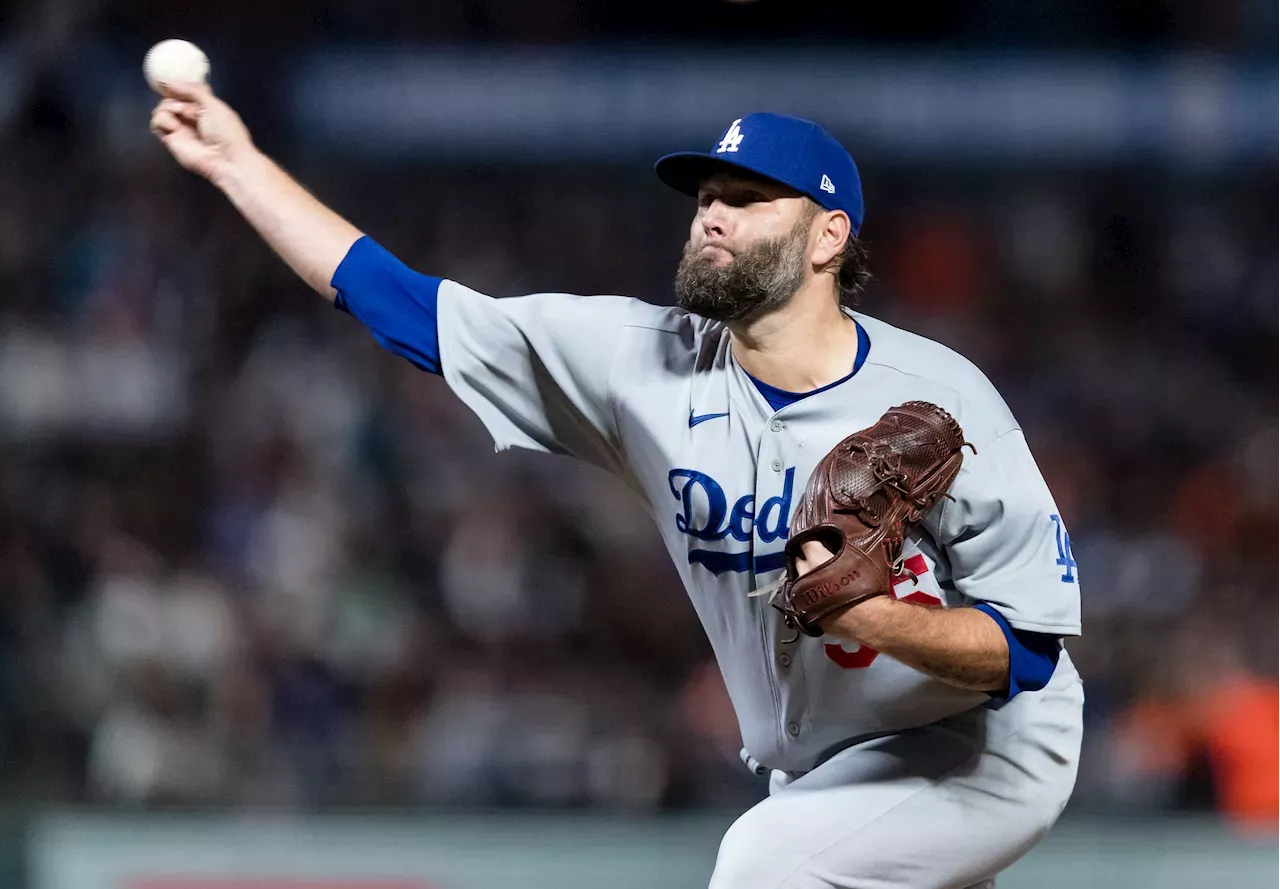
{"x": 654, "y": 395}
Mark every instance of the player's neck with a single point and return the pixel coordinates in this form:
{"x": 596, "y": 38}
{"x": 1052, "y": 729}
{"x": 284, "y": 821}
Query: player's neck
{"x": 807, "y": 344}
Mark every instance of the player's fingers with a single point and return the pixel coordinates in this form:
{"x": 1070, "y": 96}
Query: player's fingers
{"x": 187, "y": 111}
{"x": 815, "y": 553}
{"x": 164, "y": 122}
{"x": 174, "y": 142}
{"x": 199, "y": 93}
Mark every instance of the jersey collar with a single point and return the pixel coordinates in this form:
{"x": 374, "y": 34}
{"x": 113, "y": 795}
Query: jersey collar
{"x": 780, "y": 398}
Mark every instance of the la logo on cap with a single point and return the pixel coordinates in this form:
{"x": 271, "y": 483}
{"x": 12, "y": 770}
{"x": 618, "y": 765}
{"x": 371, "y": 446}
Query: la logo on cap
{"x": 732, "y": 139}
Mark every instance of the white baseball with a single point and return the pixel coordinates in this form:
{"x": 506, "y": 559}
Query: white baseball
{"x": 175, "y": 61}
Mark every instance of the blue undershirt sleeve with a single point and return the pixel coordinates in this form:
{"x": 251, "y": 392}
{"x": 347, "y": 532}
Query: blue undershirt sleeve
{"x": 1032, "y": 656}
{"x": 397, "y": 304}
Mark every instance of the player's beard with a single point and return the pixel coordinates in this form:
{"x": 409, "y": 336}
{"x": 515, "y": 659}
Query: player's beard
{"x": 760, "y": 278}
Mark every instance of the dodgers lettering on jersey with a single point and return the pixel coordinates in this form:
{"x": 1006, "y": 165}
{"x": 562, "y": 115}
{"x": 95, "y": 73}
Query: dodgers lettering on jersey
{"x": 653, "y": 395}
{"x": 703, "y": 516}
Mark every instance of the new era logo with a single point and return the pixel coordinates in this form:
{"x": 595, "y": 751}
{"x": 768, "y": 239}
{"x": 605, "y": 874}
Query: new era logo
{"x": 732, "y": 139}
{"x": 826, "y": 184}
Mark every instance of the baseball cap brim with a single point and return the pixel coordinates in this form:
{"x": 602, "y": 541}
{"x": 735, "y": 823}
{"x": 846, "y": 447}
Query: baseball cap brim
{"x": 685, "y": 170}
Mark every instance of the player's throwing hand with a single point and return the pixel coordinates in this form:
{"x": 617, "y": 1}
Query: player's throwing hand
{"x": 199, "y": 129}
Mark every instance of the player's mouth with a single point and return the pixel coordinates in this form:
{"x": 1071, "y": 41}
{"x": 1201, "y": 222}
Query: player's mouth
{"x": 716, "y": 247}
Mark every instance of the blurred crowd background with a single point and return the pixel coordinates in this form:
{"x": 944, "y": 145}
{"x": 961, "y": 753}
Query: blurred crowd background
{"x": 249, "y": 560}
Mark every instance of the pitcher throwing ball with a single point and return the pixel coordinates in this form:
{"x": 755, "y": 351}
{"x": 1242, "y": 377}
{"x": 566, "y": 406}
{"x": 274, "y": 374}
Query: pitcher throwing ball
{"x": 897, "y": 667}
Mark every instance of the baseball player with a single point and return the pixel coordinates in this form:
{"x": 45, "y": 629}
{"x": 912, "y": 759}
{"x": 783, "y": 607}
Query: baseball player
{"x": 928, "y": 734}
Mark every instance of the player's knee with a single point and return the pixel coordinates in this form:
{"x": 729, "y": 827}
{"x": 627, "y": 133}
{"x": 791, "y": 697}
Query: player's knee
{"x": 752, "y": 853}
{"x": 729, "y": 856}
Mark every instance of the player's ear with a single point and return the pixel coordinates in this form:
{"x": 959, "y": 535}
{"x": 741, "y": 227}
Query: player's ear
{"x": 832, "y": 235}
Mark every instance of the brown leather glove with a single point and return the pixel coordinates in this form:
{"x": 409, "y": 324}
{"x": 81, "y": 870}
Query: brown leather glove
{"x": 859, "y": 503}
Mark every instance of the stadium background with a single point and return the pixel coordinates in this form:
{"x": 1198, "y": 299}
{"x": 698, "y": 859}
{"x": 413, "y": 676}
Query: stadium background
{"x": 257, "y": 572}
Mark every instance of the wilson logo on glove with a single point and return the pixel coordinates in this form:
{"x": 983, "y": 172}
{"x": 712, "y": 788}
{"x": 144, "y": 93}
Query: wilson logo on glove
{"x": 827, "y": 588}
{"x": 859, "y": 657}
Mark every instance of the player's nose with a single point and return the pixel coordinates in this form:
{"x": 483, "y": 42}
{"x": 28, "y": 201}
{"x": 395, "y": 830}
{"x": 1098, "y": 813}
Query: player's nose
{"x": 716, "y": 219}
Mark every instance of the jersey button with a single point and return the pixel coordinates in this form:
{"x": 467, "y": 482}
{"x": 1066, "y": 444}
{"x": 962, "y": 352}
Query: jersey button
{"x": 784, "y": 660}
{"x": 776, "y": 425}
{"x": 777, "y": 465}
{"x": 793, "y": 729}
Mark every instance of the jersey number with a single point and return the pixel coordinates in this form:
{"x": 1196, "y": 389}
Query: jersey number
{"x": 865, "y": 654}
{"x": 1065, "y": 558}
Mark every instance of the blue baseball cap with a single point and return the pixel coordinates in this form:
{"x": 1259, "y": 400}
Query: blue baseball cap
{"x": 790, "y": 150}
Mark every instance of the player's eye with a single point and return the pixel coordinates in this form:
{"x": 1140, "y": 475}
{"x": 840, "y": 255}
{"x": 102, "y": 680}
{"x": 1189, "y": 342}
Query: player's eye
{"x": 706, "y": 199}
{"x": 741, "y": 197}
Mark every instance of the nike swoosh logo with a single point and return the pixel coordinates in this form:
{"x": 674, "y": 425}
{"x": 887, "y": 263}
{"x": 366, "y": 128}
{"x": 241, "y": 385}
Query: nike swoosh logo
{"x": 694, "y": 421}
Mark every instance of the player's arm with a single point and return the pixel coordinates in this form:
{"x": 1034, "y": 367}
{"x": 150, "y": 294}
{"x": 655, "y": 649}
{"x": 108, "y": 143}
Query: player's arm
{"x": 963, "y": 647}
{"x": 207, "y": 137}
{"x": 973, "y": 648}
{"x": 535, "y": 369}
